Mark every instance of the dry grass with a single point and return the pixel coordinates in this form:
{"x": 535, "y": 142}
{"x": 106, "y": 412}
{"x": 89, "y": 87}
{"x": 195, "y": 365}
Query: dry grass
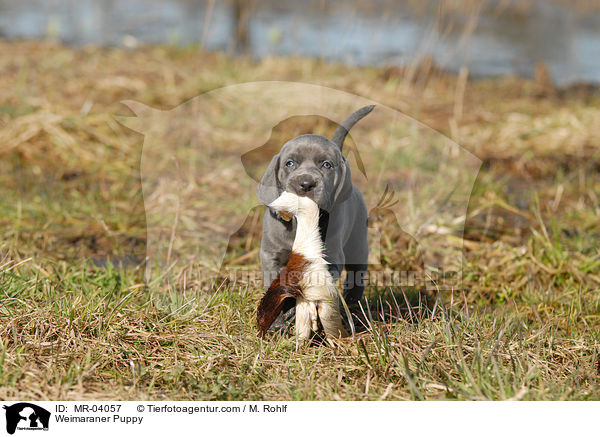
{"x": 524, "y": 325}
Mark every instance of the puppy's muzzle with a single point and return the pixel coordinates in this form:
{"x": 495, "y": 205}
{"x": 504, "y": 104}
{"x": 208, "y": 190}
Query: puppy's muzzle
{"x": 304, "y": 184}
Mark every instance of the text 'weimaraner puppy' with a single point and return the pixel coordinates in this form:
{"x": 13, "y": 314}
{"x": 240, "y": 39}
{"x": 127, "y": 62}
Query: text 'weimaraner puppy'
{"x": 313, "y": 166}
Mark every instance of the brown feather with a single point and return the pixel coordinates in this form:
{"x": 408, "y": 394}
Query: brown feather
{"x": 271, "y": 304}
{"x": 287, "y": 284}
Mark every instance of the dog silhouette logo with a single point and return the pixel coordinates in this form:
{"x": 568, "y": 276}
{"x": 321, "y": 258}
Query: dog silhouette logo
{"x": 202, "y": 162}
{"x": 26, "y": 416}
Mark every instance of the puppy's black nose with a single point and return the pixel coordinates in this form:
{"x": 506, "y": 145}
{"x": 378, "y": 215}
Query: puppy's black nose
{"x": 307, "y": 184}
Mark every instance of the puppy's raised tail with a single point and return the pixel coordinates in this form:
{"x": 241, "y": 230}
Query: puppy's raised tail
{"x": 272, "y": 303}
{"x": 340, "y": 133}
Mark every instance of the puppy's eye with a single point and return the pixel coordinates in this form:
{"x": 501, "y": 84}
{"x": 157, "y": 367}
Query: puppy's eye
{"x": 289, "y": 163}
{"x": 327, "y": 164}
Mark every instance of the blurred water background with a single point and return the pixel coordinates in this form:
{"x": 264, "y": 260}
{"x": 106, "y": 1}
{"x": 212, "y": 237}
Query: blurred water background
{"x": 494, "y": 37}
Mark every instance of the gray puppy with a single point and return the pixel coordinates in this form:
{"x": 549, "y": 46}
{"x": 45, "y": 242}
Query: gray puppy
{"x": 313, "y": 166}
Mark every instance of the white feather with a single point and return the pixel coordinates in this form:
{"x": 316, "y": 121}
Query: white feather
{"x": 319, "y": 292}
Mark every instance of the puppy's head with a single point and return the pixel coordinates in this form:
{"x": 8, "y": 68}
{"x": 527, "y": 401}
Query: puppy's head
{"x": 311, "y": 166}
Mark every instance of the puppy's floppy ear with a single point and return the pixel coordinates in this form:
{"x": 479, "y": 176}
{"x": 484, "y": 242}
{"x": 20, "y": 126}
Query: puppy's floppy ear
{"x": 343, "y": 189}
{"x": 268, "y": 187}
